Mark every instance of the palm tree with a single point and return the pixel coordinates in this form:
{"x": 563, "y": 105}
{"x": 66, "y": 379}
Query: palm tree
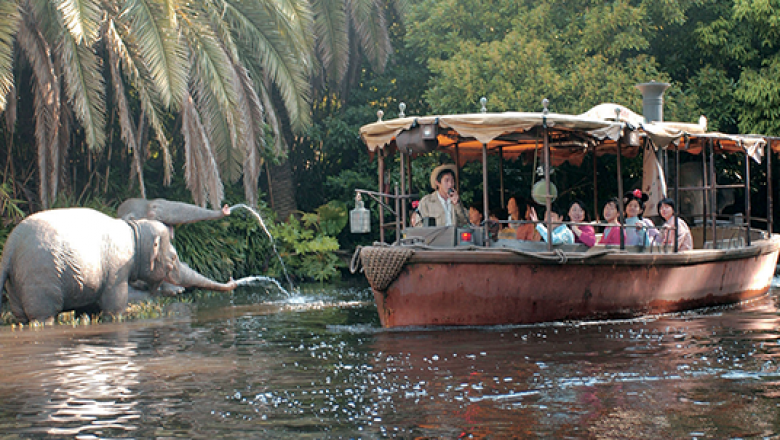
{"x": 346, "y": 32}
{"x": 216, "y": 63}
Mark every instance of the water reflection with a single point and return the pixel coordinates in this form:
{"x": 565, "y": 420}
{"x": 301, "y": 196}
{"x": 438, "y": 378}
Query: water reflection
{"x": 317, "y": 365}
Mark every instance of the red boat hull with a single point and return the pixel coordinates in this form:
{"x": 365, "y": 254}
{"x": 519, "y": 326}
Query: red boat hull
{"x": 492, "y": 288}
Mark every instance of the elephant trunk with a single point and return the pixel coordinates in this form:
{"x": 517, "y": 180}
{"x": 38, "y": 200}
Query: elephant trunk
{"x": 177, "y": 213}
{"x": 185, "y": 276}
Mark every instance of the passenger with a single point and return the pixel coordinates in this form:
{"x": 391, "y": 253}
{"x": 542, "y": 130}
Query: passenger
{"x": 584, "y": 234}
{"x": 524, "y": 231}
{"x": 639, "y": 231}
{"x": 509, "y": 230}
{"x": 561, "y": 234}
{"x": 611, "y": 233}
{"x": 415, "y": 219}
{"x": 475, "y": 214}
{"x": 684, "y": 238}
{"x": 443, "y": 204}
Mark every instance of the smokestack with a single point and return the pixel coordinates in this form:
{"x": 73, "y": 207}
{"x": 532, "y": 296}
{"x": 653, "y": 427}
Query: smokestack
{"x": 653, "y": 100}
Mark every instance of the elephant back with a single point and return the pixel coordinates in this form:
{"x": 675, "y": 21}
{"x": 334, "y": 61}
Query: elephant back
{"x": 73, "y": 248}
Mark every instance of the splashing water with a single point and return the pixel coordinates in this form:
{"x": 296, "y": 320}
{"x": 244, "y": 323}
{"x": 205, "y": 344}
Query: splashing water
{"x": 273, "y": 245}
{"x": 257, "y": 279}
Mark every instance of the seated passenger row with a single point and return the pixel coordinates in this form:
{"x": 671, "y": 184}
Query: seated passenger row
{"x": 443, "y": 208}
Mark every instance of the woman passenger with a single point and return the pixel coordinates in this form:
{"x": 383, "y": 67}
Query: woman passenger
{"x": 525, "y": 231}
{"x": 612, "y": 232}
{"x": 584, "y": 234}
{"x": 639, "y": 231}
{"x": 684, "y": 238}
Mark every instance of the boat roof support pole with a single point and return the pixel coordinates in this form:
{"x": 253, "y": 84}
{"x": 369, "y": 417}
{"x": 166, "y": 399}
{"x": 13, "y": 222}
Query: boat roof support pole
{"x": 404, "y": 160}
{"x": 457, "y": 167}
{"x": 665, "y": 164}
{"x": 409, "y": 176}
{"x": 705, "y": 176}
{"x": 485, "y": 208}
{"x": 547, "y": 198}
{"x": 713, "y": 197}
{"x": 397, "y": 217}
{"x": 676, "y": 194}
{"x": 621, "y": 213}
{"x": 747, "y": 197}
{"x": 381, "y": 161}
{"x": 769, "y": 199}
{"x": 501, "y": 173}
{"x": 595, "y": 186}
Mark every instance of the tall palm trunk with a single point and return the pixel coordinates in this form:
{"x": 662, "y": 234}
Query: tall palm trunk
{"x": 282, "y": 189}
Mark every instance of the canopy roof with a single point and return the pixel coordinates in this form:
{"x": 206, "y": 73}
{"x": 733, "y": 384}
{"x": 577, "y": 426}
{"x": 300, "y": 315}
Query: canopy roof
{"x": 570, "y": 136}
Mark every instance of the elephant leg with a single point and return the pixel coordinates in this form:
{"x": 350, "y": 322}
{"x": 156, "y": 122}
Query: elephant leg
{"x": 39, "y": 303}
{"x": 17, "y": 309}
{"x": 137, "y": 294}
{"x": 114, "y": 300}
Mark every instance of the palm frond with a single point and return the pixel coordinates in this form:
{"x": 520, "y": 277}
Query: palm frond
{"x": 10, "y": 17}
{"x": 127, "y": 128}
{"x": 133, "y": 68}
{"x": 254, "y": 141}
{"x": 153, "y": 29}
{"x": 46, "y": 101}
{"x": 84, "y": 85}
{"x": 201, "y": 172}
{"x": 194, "y": 136}
{"x": 215, "y": 90}
{"x": 82, "y": 19}
{"x": 331, "y": 27}
{"x": 368, "y": 17}
{"x": 275, "y": 53}
{"x": 294, "y": 20}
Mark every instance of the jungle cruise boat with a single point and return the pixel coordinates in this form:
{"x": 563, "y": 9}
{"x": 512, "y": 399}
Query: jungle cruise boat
{"x": 465, "y": 276}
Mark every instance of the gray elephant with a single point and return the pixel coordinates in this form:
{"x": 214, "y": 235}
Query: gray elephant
{"x": 170, "y": 213}
{"x": 77, "y": 258}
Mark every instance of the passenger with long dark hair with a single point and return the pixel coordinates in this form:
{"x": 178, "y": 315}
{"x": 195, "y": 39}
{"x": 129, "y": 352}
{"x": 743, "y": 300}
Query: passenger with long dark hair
{"x": 684, "y": 238}
{"x": 584, "y": 234}
{"x": 612, "y": 231}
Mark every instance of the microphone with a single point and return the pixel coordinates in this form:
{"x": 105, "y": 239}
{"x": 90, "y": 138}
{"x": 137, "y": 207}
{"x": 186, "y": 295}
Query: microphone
{"x": 451, "y": 191}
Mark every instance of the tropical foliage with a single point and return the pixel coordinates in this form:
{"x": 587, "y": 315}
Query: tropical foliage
{"x": 308, "y": 246}
{"x": 100, "y": 69}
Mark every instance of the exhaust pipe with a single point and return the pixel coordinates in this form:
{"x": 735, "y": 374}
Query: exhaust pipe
{"x": 653, "y": 100}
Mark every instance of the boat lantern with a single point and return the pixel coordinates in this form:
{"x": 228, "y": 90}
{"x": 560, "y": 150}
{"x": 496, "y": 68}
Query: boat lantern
{"x": 539, "y": 192}
{"x": 359, "y": 218}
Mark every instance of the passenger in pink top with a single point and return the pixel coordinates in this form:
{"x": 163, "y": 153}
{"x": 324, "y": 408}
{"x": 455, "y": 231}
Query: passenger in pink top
{"x": 612, "y": 232}
{"x": 584, "y": 234}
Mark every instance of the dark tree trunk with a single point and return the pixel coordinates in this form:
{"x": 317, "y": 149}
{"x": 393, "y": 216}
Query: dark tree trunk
{"x": 282, "y": 190}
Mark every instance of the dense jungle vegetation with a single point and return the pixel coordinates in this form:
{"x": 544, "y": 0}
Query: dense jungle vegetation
{"x": 260, "y": 102}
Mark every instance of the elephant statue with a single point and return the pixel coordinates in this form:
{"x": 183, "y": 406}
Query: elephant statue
{"x": 77, "y": 258}
{"x": 170, "y": 213}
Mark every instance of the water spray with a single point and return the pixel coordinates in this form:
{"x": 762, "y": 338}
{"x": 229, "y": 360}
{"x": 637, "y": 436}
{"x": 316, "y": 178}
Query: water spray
{"x": 248, "y": 280}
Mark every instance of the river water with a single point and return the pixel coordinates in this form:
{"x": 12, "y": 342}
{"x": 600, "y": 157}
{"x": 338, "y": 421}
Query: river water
{"x": 258, "y": 364}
